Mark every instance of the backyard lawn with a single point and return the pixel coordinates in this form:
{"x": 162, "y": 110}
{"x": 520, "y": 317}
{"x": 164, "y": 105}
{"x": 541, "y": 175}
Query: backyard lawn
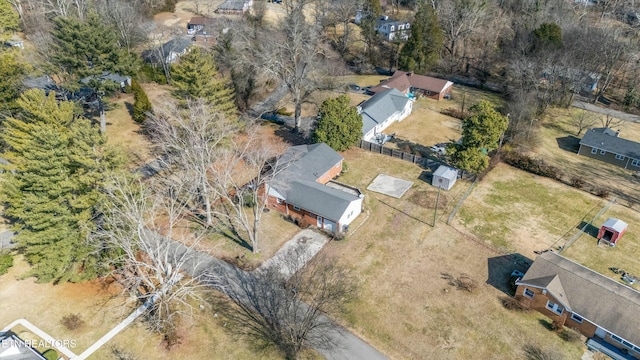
{"x": 558, "y": 145}
{"x": 406, "y": 306}
{"x": 515, "y": 211}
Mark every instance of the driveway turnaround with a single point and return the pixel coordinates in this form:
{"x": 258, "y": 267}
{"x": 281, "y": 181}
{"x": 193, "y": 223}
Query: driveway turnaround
{"x": 390, "y": 185}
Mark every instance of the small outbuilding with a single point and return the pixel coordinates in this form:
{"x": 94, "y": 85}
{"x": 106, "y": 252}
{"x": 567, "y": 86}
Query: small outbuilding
{"x": 445, "y": 177}
{"x": 611, "y": 231}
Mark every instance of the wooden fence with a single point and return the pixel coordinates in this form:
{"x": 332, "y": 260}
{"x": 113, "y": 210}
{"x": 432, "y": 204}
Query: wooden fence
{"x": 426, "y": 162}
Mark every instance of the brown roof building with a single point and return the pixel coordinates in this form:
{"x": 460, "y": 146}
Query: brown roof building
{"x": 419, "y": 85}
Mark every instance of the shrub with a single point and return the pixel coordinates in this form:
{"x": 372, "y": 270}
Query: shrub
{"x": 577, "y": 182}
{"x": 6, "y": 261}
{"x": 455, "y": 113}
{"x": 527, "y": 163}
{"x": 72, "y": 321}
{"x": 570, "y": 335}
{"x": 50, "y": 354}
{"x": 120, "y": 354}
{"x": 462, "y": 282}
{"x": 511, "y": 303}
{"x": 602, "y": 192}
{"x": 534, "y": 352}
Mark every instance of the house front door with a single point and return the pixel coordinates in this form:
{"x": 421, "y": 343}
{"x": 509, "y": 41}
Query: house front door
{"x": 319, "y": 222}
{"x": 601, "y": 333}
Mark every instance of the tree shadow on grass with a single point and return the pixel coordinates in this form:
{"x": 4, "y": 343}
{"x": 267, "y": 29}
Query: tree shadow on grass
{"x": 129, "y": 107}
{"x": 290, "y": 137}
{"x": 569, "y": 143}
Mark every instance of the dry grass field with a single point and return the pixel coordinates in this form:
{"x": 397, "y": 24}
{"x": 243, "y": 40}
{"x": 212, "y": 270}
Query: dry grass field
{"x": 405, "y": 306}
{"x": 558, "y": 145}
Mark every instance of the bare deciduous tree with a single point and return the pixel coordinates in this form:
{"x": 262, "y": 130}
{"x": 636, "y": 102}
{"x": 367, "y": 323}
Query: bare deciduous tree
{"x": 127, "y": 18}
{"x": 289, "y": 313}
{"x": 292, "y": 56}
{"x": 244, "y": 202}
{"x": 138, "y": 226}
{"x": 583, "y": 120}
{"x": 190, "y": 138}
{"x": 610, "y": 122}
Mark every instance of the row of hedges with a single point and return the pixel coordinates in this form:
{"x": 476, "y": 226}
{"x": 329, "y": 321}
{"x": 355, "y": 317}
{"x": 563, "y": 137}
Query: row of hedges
{"x": 540, "y": 167}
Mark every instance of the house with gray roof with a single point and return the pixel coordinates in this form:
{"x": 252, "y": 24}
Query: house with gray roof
{"x": 237, "y": 7}
{"x": 306, "y": 191}
{"x": 382, "y": 110}
{"x": 606, "y": 145}
{"x": 169, "y": 52}
{"x": 13, "y": 347}
{"x": 577, "y": 297}
{"x": 106, "y": 76}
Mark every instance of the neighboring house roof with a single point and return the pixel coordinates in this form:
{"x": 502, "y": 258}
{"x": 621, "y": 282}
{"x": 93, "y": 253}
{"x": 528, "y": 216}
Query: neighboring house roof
{"x": 43, "y": 82}
{"x": 319, "y": 199}
{"x": 615, "y": 224}
{"x": 14, "y": 348}
{"x": 117, "y": 78}
{"x": 200, "y": 20}
{"x": 597, "y": 298}
{"x": 385, "y": 20}
{"x": 606, "y": 139}
{"x": 233, "y": 5}
{"x": 298, "y": 182}
{"x": 380, "y": 107}
{"x": 307, "y": 162}
{"x": 403, "y": 80}
{"x": 175, "y": 45}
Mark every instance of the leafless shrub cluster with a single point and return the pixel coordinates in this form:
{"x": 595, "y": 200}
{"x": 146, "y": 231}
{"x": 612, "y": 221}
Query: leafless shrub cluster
{"x": 462, "y": 282}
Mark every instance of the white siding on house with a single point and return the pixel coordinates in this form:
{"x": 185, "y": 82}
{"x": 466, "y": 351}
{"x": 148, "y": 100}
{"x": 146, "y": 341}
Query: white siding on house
{"x": 352, "y": 212}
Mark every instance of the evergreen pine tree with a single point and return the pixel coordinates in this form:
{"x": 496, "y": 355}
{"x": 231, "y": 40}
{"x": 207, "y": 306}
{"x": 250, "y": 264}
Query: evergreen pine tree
{"x": 339, "y": 124}
{"x": 423, "y": 47}
{"x": 58, "y": 164}
{"x": 196, "y": 77}
{"x": 86, "y": 47}
{"x": 141, "y": 103}
{"x": 9, "y": 20}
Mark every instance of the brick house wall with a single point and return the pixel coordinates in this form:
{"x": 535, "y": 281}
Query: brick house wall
{"x": 332, "y": 173}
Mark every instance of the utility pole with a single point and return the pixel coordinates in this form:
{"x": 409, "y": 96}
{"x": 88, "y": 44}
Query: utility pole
{"x": 435, "y": 212}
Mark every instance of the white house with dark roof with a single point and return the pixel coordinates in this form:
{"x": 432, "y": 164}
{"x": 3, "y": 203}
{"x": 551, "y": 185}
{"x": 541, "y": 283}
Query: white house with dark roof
{"x": 580, "y": 298}
{"x": 391, "y": 29}
{"x": 305, "y": 189}
{"x": 382, "y": 110}
{"x": 606, "y": 145}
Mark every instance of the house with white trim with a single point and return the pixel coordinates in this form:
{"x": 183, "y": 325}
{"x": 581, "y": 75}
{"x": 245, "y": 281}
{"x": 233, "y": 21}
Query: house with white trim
{"x": 576, "y": 297}
{"x": 382, "y": 110}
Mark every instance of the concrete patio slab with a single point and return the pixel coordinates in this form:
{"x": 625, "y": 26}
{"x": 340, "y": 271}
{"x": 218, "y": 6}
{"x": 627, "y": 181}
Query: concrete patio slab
{"x": 389, "y": 185}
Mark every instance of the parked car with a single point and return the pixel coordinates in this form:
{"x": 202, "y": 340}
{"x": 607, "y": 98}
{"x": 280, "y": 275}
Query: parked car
{"x": 440, "y": 149}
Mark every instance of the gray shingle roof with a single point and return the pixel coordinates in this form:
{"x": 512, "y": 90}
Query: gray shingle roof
{"x": 598, "y": 138}
{"x": 319, "y": 199}
{"x": 298, "y": 182}
{"x": 597, "y": 298}
{"x": 307, "y": 162}
{"x": 446, "y": 172}
{"x": 380, "y": 107}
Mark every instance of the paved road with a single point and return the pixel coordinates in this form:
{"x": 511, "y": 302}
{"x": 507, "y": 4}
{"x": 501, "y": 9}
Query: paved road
{"x": 613, "y": 113}
{"x": 350, "y": 347}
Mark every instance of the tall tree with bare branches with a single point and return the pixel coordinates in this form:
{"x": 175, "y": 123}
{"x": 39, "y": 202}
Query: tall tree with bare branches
{"x": 292, "y": 55}
{"x": 191, "y": 137}
{"x": 140, "y": 227}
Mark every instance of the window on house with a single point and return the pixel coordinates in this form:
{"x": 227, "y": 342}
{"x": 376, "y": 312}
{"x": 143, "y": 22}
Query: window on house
{"x": 594, "y": 150}
{"x": 619, "y": 157}
{"x": 627, "y": 344}
{"x": 554, "y": 307}
{"x": 603, "y": 152}
{"x": 296, "y": 208}
{"x": 279, "y": 201}
{"x": 616, "y": 338}
{"x": 635, "y": 163}
{"x": 528, "y": 293}
{"x": 577, "y": 318}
